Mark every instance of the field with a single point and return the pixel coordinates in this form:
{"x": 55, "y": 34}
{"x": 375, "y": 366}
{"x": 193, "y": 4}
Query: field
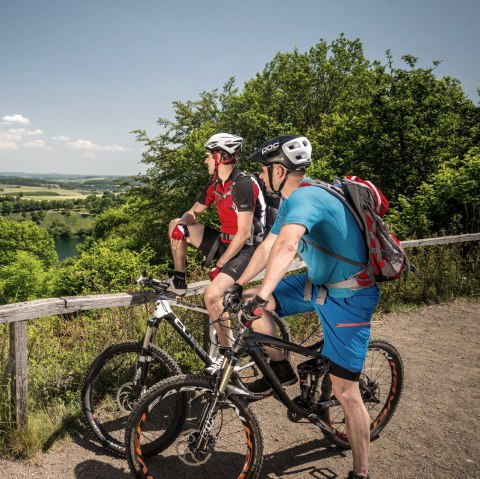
{"x": 44, "y": 193}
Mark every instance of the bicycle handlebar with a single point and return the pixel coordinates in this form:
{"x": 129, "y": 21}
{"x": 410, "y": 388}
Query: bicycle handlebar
{"x": 146, "y": 280}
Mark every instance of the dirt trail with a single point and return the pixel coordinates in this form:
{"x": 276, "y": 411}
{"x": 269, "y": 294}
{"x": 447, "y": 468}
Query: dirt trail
{"x": 435, "y": 432}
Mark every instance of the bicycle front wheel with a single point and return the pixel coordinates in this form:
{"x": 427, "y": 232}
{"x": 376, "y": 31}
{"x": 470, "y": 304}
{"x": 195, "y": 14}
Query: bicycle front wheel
{"x": 381, "y": 383}
{"x": 106, "y": 402}
{"x": 230, "y": 446}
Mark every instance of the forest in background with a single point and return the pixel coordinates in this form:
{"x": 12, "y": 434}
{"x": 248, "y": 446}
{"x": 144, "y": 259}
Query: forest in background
{"x": 395, "y": 123}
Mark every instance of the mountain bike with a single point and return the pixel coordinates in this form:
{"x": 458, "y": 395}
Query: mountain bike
{"x": 123, "y": 372}
{"x": 204, "y": 427}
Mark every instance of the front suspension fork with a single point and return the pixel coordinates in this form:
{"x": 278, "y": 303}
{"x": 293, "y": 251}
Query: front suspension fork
{"x": 144, "y": 359}
{"x": 210, "y": 412}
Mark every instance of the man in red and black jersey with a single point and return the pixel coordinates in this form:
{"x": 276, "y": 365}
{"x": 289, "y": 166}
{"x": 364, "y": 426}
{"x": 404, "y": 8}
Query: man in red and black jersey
{"x": 242, "y": 212}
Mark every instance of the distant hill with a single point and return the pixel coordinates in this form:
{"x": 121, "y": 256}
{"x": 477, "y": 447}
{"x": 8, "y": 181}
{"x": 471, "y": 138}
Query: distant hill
{"x": 81, "y": 182}
{"x": 56, "y": 176}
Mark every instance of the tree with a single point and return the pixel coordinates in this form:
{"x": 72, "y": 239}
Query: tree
{"x": 106, "y": 266}
{"x": 24, "y": 278}
{"x": 28, "y": 237}
{"x": 394, "y": 126}
{"x": 448, "y": 204}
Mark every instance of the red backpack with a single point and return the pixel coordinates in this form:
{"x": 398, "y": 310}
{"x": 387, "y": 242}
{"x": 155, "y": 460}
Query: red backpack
{"x": 386, "y": 257}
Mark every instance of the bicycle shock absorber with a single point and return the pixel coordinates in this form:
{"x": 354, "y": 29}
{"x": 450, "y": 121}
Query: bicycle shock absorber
{"x": 310, "y": 373}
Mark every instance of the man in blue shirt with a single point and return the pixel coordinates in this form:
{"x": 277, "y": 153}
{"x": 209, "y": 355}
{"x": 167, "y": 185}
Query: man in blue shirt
{"x": 343, "y": 295}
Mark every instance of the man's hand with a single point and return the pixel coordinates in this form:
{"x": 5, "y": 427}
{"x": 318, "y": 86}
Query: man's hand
{"x": 254, "y": 308}
{"x": 179, "y": 233}
{"x": 232, "y": 298}
{"x": 213, "y": 272}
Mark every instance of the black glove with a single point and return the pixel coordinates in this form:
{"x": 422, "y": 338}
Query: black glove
{"x": 232, "y": 297}
{"x": 254, "y": 308}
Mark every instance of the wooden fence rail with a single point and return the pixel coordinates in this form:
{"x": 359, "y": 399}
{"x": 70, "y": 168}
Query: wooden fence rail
{"x": 18, "y": 315}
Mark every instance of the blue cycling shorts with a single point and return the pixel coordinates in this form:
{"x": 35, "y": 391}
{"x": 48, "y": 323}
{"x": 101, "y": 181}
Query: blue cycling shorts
{"x": 345, "y": 321}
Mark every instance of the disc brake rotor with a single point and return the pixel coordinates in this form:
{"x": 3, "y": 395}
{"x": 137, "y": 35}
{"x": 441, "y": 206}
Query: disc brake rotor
{"x": 184, "y": 445}
{"x": 124, "y": 400}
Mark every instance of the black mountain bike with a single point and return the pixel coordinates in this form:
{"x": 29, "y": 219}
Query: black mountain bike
{"x": 200, "y": 426}
{"x": 123, "y": 372}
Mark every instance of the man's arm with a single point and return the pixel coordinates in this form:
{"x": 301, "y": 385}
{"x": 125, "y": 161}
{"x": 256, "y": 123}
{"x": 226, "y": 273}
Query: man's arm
{"x": 244, "y": 224}
{"x": 191, "y": 216}
{"x": 281, "y": 255}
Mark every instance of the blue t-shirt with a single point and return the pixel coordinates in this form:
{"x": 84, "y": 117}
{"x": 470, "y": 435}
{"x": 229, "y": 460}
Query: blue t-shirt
{"x": 329, "y": 224}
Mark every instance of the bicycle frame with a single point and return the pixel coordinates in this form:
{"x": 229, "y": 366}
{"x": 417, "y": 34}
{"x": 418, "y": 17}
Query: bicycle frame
{"x": 163, "y": 312}
{"x": 250, "y": 342}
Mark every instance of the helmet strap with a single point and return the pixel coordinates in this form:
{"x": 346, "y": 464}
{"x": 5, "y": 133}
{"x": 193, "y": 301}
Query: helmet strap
{"x": 270, "y": 179}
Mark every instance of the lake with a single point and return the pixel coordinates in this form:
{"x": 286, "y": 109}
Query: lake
{"x": 66, "y": 247}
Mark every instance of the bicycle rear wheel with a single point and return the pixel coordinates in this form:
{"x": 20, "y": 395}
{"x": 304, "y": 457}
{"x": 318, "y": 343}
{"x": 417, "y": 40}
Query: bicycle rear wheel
{"x": 381, "y": 383}
{"x": 233, "y": 442}
{"x": 106, "y": 402}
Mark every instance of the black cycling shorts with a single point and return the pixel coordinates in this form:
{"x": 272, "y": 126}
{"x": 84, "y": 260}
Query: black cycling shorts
{"x": 236, "y": 266}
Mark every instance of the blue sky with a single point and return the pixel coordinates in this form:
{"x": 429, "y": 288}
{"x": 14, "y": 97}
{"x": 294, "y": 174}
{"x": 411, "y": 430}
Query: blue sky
{"x": 76, "y": 77}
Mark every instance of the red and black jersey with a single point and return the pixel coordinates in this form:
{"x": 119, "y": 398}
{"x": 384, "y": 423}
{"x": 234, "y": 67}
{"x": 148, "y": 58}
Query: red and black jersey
{"x": 240, "y": 192}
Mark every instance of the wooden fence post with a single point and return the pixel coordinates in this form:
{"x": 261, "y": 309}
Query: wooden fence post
{"x": 18, "y": 351}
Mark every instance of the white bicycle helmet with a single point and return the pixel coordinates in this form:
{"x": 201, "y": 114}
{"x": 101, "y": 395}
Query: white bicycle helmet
{"x": 225, "y": 142}
{"x": 294, "y": 152}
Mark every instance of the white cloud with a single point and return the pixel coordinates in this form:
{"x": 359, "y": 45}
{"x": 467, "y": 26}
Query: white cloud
{"x": 116, "y": 148}
{"x": 16, "y": 119}
{"x": 35, "y": 132}
{"x": 83, "y": 145}
{"x": 90, "y": 146}
{"x": 36, "y": 144}
{"x": 61, "y": 138}
{"x": 19, "y": 132}
{"x": 8, "y": 145}
{"x": 10, "y": 135}
{"x": 90, "y": 155}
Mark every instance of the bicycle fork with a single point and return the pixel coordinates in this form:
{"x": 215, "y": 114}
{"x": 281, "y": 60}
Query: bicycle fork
{"x": 203, "y": 440}
{"x": 144, "y": 359}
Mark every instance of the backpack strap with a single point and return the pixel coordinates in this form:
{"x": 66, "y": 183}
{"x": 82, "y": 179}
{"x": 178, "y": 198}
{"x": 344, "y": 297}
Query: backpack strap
{"x": 354, "y": 283}
{"x": 339, "y": 194}
{"x": 335, "y": 255}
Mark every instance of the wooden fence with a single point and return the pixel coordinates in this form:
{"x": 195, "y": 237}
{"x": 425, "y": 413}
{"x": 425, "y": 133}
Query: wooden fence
{"x": 18, "y": 315}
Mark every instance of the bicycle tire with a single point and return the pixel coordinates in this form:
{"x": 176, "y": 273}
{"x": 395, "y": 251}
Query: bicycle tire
{"x": 104, "y": 382}
{"x": 226, "y": 455}
{"x": 383, "y": 364}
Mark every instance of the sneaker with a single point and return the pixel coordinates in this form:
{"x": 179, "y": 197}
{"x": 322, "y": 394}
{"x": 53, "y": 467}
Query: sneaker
{"x": 215, "y": 366}
{"x": 284, "y": 372}
{"x": 177, "y": 284}
{"x": 354, "y": 475}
